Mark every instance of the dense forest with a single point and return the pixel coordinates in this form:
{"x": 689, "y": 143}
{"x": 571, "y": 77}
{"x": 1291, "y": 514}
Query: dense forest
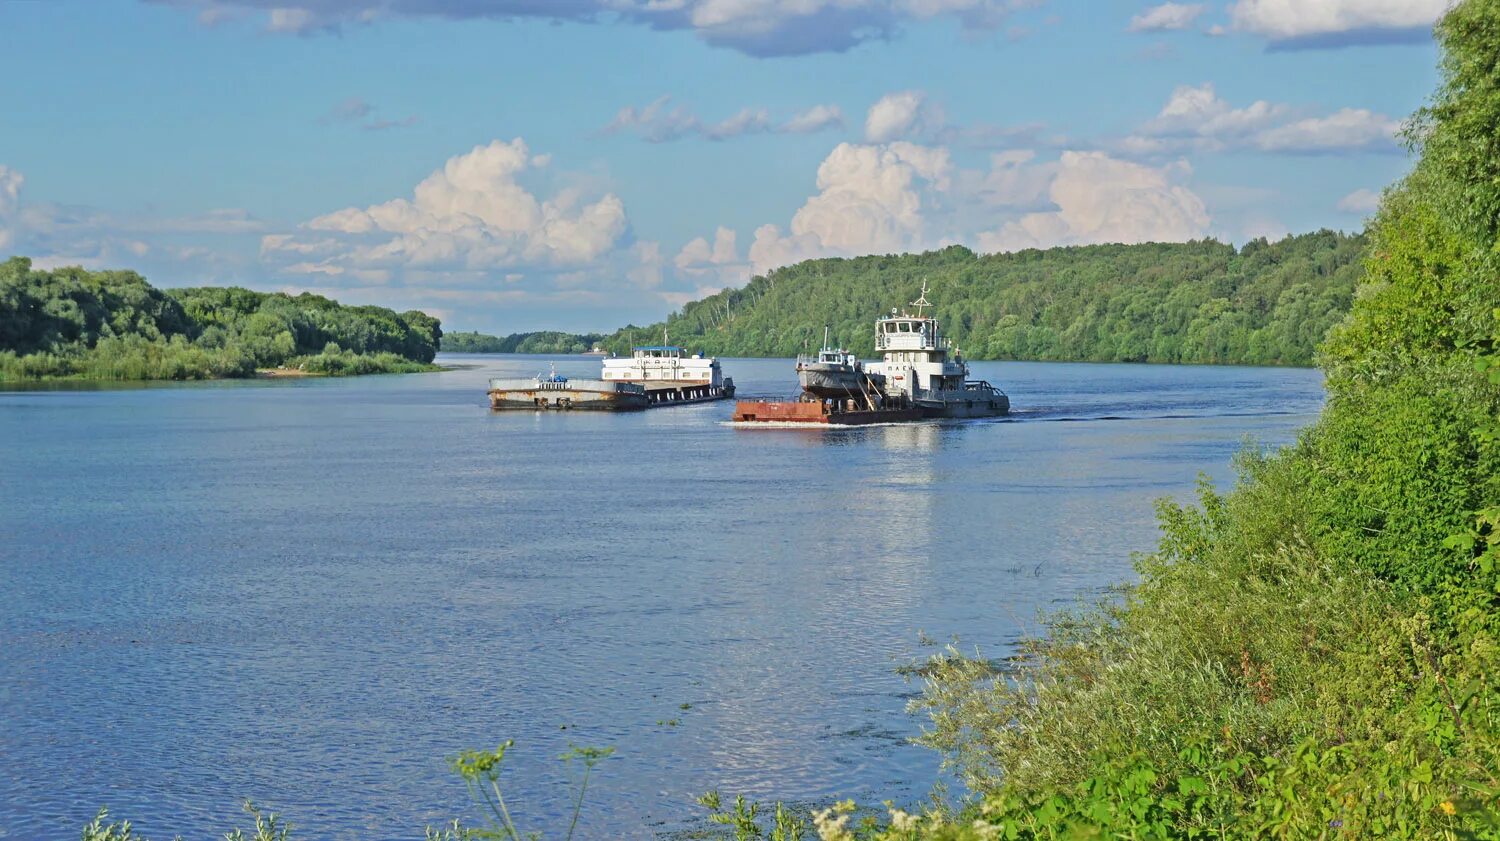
{"x": 71, "y": 322}
{"x": 542, "y": 342}
{"x": 1265, "y": 303}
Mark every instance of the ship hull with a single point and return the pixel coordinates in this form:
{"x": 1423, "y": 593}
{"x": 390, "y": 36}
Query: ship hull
{"x": 965, "y": 406}
{"x": 681, "y": 395}
{"x": 818, "y": 412}
{"x": 573, "y": 395}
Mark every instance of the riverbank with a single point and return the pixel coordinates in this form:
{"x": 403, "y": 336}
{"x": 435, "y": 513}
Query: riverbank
{"x": 74, "y": 324}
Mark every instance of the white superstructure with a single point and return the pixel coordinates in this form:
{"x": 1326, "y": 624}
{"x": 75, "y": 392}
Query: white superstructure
{"x": 916, "y": 363}
{"x": 664, "y": 366}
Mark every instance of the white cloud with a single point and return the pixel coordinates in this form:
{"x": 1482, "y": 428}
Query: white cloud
{"x": 871, "y": 199}
{"x": 1197, "y": 118}
{"x": 1336, "y": 22}
{"x": 755, "y": 27}
{"x": 1345, "y": 129}
{"x": 1104, "y": 199}
{"x": 657, "y": 122}
{"x": 1166, "y": 17}
{"x": 814, "y": 119}
{"x": 10, "y": 200}
{"x": 720, "y": 261}
{"x": 471, "y": 215}
{"x": 1362, "y": 201}
{"x": 747, "y": 121}
{"x": 901, "y": 116}
{"x": 660, "y": 122}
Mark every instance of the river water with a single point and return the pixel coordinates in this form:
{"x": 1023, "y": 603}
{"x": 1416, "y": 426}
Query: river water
{"x": 309, "y": 593}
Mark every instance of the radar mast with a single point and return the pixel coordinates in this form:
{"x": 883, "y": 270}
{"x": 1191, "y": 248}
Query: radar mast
{"x": 922, "y": 302}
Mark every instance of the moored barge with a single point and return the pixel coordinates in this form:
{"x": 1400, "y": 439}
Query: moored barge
{"x": 660, "y": 375}
{"x": 565, "y": 393}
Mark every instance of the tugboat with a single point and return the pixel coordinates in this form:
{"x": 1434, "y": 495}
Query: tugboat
{"x": 916, "y": 364}
{"x": 836, "y": 373}
{"x": 916, "y": 379}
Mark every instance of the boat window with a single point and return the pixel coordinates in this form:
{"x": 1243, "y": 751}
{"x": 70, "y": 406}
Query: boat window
{"x": 904, "y": 327}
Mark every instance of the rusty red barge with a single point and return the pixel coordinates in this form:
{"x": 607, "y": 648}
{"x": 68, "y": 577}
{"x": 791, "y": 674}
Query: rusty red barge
{"x": 834, "y": 412}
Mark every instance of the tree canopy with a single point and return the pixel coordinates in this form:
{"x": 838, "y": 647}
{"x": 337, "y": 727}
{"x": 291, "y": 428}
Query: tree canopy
{"x": 1265, "y": 303}
{"x": 115, "y": 325}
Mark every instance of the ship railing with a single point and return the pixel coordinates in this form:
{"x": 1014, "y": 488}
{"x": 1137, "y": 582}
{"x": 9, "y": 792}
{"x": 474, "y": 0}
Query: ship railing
{"x": 981, "y": 385}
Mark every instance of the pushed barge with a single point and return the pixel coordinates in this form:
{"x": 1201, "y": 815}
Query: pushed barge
{"x": 916, "y": 379}
{"x": 661, "y": 375}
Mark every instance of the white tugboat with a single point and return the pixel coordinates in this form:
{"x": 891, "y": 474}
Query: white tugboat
{"x": 917, "y": 366}
{"x": 916, "y": 379}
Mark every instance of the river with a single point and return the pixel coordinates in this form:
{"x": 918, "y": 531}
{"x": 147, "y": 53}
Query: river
{"x": 309, "y": 592}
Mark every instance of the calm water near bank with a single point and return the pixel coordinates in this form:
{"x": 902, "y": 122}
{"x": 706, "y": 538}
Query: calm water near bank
{"x": 309, "y": 592}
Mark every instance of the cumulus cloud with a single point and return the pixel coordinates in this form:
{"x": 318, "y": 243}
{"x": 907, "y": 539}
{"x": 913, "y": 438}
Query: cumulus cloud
{"x": 1362, "y": 201}
{"x": 871, "y": 199}
{"x": 661, "y": 122}
{"x": 1197, "y": 118}
{"x": 1104, "y": 199}
{"x": 719, "y": 262}
{"x": 900, "y": 116}
{"x": 1166, "y": 17}
{"x": 1299, "y": 23}
{"x": 755, "y": 27}
{"x": 471, "y": 215}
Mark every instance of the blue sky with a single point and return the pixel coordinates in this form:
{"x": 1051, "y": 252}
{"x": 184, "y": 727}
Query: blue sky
{"x": 514, "y": 165}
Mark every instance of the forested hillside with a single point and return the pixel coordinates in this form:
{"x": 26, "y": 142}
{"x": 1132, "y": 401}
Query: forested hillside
{"x": 71, "y": 322}
{"x": 543, "y": 342}
{"x": 1265, "y": 303}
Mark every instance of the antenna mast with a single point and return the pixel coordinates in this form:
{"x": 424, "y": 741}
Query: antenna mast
{"x": 922, "y": 302}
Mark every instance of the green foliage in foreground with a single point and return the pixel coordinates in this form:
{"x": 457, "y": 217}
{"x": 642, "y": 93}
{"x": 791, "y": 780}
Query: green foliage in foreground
{"x": 543, "y": 342}
{"x": 1317, "y": 652}
{"x": 1197, "y": 302}
{"x": 112, "y": 325}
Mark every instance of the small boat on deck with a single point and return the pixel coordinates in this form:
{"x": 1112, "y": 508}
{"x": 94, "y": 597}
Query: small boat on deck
{"x": 836, "y": 373}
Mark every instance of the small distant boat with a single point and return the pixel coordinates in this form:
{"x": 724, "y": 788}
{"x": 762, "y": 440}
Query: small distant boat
{"x": 595, "y": 351}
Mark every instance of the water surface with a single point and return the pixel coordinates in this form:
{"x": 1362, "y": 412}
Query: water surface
{"x": 310, "y": 592}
